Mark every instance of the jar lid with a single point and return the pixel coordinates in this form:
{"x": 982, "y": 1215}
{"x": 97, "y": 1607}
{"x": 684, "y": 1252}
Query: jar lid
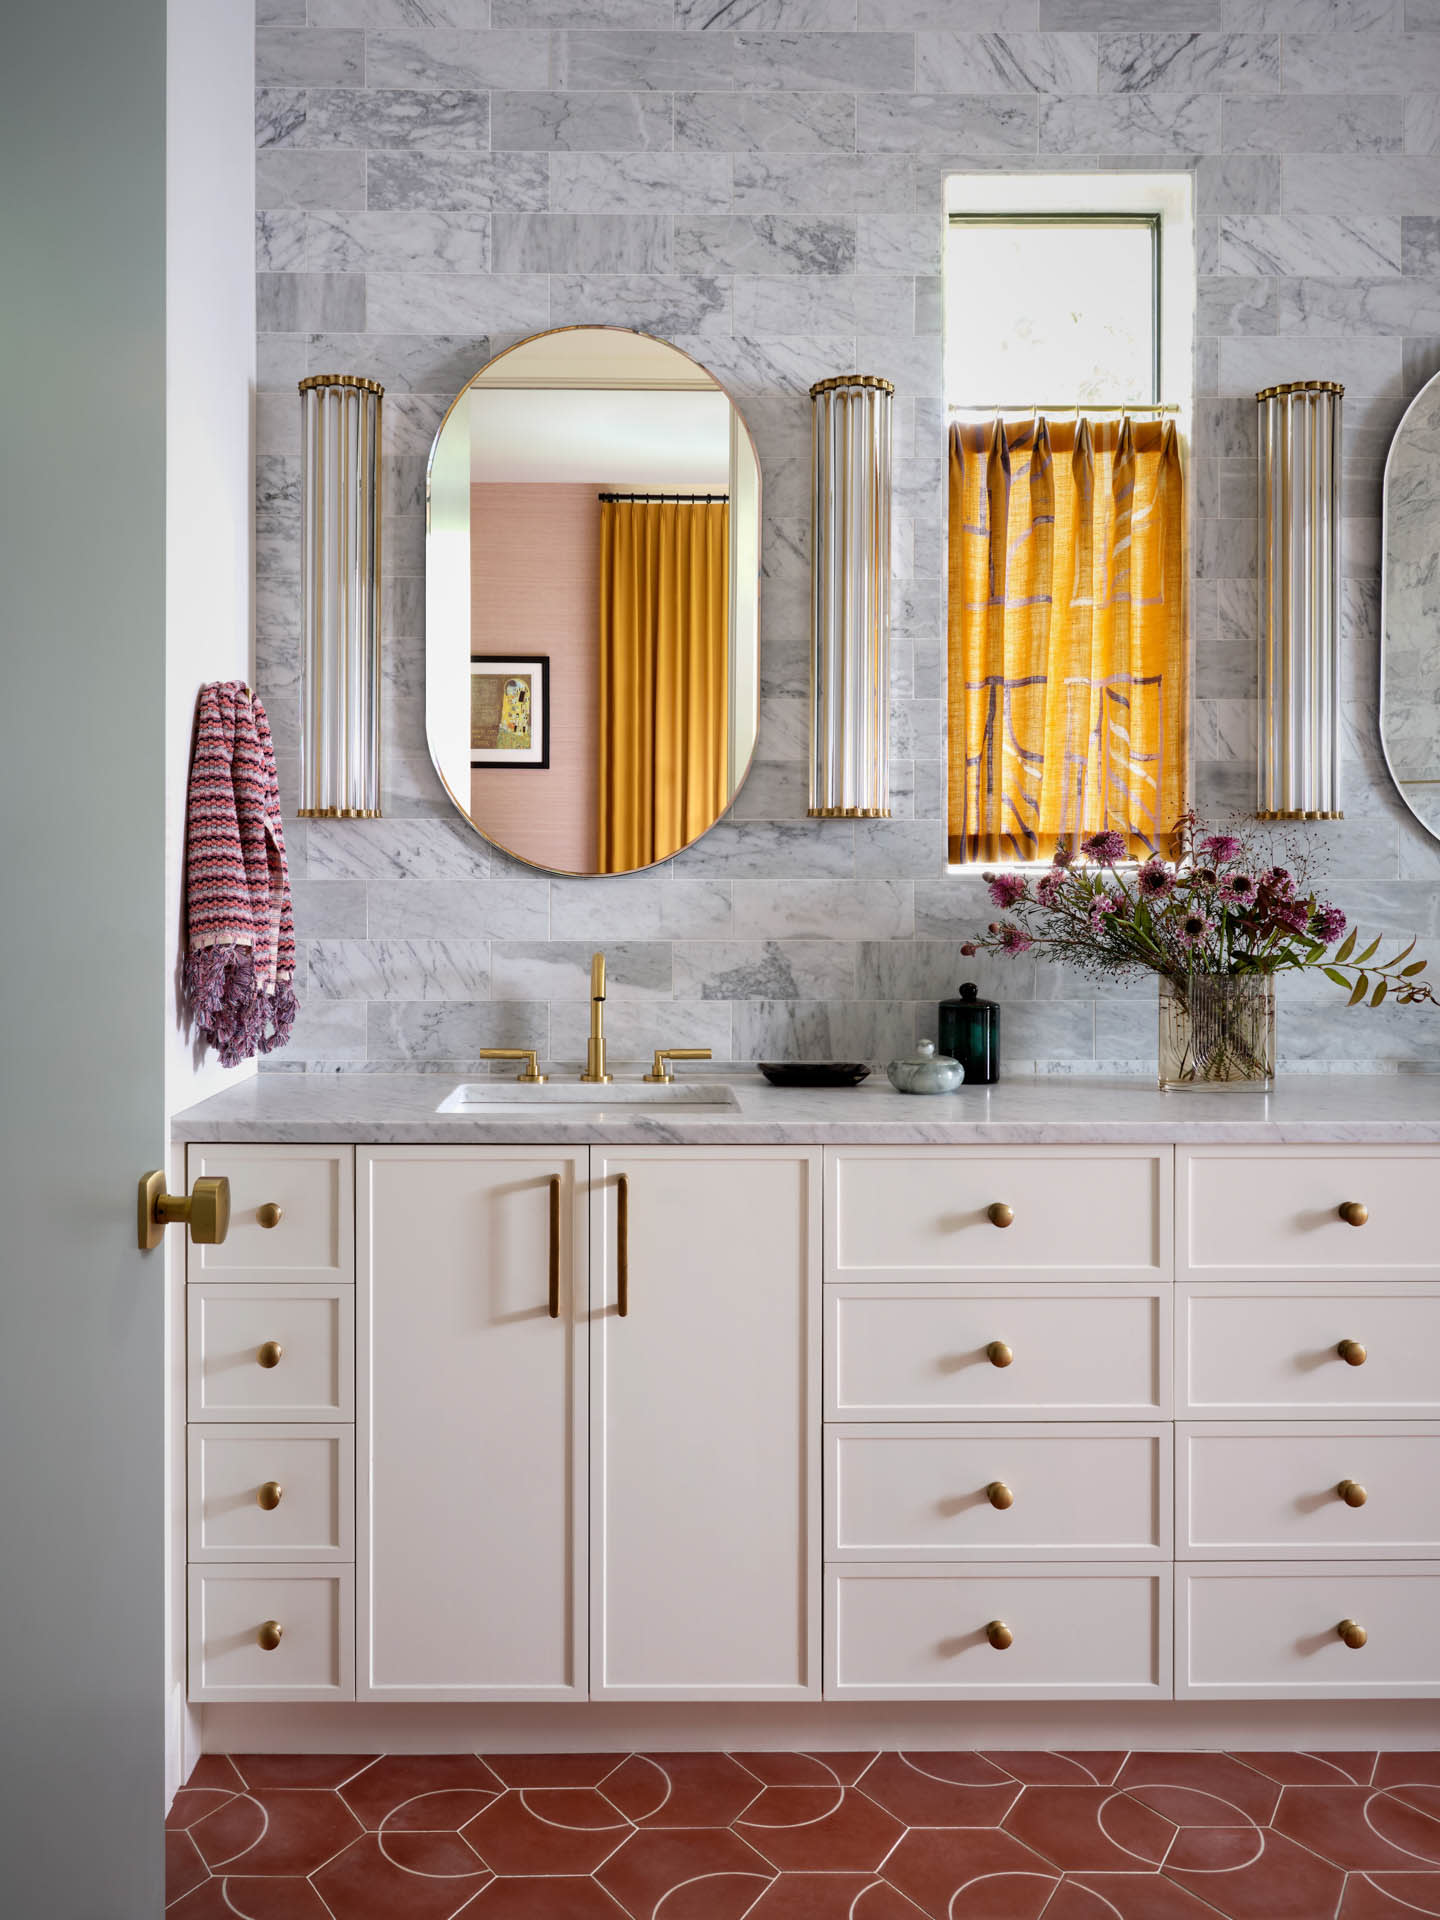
{"x": 969, "y": 997}
{"x": 925, "y": 1055}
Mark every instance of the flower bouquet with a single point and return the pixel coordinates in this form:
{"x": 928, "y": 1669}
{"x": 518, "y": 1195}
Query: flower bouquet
{"x": 1216, "y": 924}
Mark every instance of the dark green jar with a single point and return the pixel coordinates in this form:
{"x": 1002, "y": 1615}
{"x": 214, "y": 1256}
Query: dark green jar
{"x": 970, "y": 1033}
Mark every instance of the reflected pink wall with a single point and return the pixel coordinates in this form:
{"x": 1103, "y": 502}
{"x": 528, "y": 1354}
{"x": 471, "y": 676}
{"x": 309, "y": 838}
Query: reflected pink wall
{"x": 535, "y": 588}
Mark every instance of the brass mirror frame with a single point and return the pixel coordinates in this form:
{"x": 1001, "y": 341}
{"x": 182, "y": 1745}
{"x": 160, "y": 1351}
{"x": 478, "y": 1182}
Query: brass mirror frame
{"x": 545, "y": 333}
{"x": 1429, "y": 391}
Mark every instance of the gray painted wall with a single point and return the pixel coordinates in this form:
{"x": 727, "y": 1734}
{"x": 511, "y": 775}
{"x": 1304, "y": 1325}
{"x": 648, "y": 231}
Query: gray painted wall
{"x": 82, "y": 959}
{"x": 760, "y": 181}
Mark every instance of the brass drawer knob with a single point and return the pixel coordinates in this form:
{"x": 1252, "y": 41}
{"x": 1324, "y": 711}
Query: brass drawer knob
{"x": 271, "y": 1354}
{"x": 998, "y": 1354}
{"x": 999, "y": 1495}
{"x": 1353, "y": 1212}
{"x": 1352, "y": 1633}
{"x": 998, "y": 1214}
{"x": 1352, "y": 1493}
{"x": 1352, "y": 1353}
{"x": 999, "y": 1635}
{"x": 270, "y": 1215}
{"x": 269, "y": 1636}
{"x": 270, "y": 1495}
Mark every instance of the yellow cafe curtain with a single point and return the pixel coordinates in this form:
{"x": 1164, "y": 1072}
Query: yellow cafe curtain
{"x": 1068, "y": 661}
{"x": 664, "y": 676}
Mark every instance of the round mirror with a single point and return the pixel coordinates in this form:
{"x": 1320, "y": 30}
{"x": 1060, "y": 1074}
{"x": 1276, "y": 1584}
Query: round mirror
{"x": 1410, "y": 609}
{"x": 592, "y": 563}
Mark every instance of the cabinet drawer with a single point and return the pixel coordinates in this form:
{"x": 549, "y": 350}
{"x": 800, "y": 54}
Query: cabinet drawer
{"x": 1079, "y": 1213}
{"x": 1272, "y": 1213}
{"x": 233, "y": 1333}
{"x": 314, "y": 1237}
{"x": 920, "y": 1633}
{"x": 1260, "y": 1350}
{"x": 931, "y": 1492}
{"x": 315, "y": 1610}
{"x": 906, "y": 1351}
{"x": 272, "y": 1493}
{"x": 1268, "y": 1492}
{"x": 1269, "y": 1632}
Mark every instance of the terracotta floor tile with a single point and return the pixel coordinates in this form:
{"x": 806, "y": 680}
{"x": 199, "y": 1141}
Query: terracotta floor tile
{"x": 847, "y": 1767}
{"x": 446, "y": 1810}
{"x": 184, "y": 1868}
{"x": 1407, "y": 1769}
{"x": 905, "y": 1785}
{"x": 193, "y": 1803}
{"x": 959, "y": 1769}
{"x": 1215, "y": 1773}
{"x": 540, "y": 1899}
{"x": 681, "y": 1789}
{"x": 1332, "y": 1822}
{"x": 1390, "y": 1896}
{"x": 1094, "y": 1827}
{"x": 715, "y": 1896}
{"x": 1189, "y": 1807}
{"x": 803, "y": 1769}
{"x": 299, "y": 1769}
{"x": 799, "y": 1828}
{"x": 1139, "y": 1896}
{"x": 1038, "y": 1768}
{"x": 1215, "y": 1849}
{"x": 552, "y": 1769}
{"x": 1311, "y": 1769}
{"x": 1424, "y": 1796}
{"x": 547, "y": 1830}
{"x": 440, "y": 1856}
{"x": 1005, "y": 1896}
{"x": 931, "y": 1864}
{"x": 362, "y": 1884}
{"x": 398, "y": 1777}
{"x": 1285, "y": 1883}
{"x": 285, "y": 1830}
{"x": 1074, "y": 1902}
{"x": 1410, "y": 1820}
{"x": 207, "y": 1902}
{"x": 818, "y": 1896}
{"x": 657, "y": 1859}
{"x": 215, "y": 1770}
{"x": 270, "y": 1899}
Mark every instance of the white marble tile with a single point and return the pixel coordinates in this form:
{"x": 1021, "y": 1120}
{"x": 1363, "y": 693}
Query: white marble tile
{"x": 458, "y": 909}
{"x": 400, "y": 969}
{"x": 1410, "y": 306}
{"x": 611, "y": 122}
{"x": 853, "y": 909}
{"x": 404, "y": 1031}
{"x": 453, "y": 182}
{"x": 662, "y": 62}
{"x": 932, "y": 970}
{"x": 380, "y": 14}
{"x": 1189, "y": 63}
{"x": 310, "y": 302}
{"x": 1310, "y": 244}
{"x": 398, "y": 117}
{"x": 641, "y": 906}
{"x": 458, "y": 303}
{"x": 764, "y": 122}
{"x": 764, "y": 970}
{"x": 1363, "y": 365}
{"x": 292, "y": 179}
{"x": 684, "y": 309}
{"x": 1292, "y": 123}
{"x": 961, "y": 16}
{"x": 581, "y": 13}
{"x": 1313, "y": 16}
{"x": 443, "y": 58}
{"x": 1362, "y": 184}
{"x": 1236, "y": 303}
{"x": 583, "y": 243}
{"x": 331, "y": 1031}
{"x": 280, "y": 241}
{"x": 1006, "y": 63}
{"x": 1120, "y": 123}
{"x": 764, "y": 243}
{"x": 559, "y": 970}
{"x": 592, "y": 183}
{"x": 389, "y": 849}
{"x": 779, "y": 16}
{"x": 1070, "y": 16}
{"x": 981, "y": 123}
{"x": 791, "y": 849}
{"x": 821, "y": 183}
{"x": 634, "y": 1029}
{"x": 396, "y": 242}
{"x": 309, "y": 57}
{"x": 869, "y": 1030}
{"x": 1331, "y": 63}
{"x": 402, "y": 363}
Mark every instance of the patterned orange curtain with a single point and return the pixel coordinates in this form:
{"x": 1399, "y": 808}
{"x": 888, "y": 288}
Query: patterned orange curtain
{"x": 1069, "y": 666}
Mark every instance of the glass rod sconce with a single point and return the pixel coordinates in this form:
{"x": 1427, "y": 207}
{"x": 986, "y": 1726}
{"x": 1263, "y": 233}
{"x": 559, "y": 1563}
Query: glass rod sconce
{"x": 1299, "y": 600}
{"x": 339, "y": 597}
{"x": 850, "y": 598}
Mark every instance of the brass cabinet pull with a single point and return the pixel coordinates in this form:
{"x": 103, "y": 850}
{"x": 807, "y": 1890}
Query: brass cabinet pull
{"x": 998, "y": 1354}
{"x": 999, "y": 1495}
{"x": 622, "y": 1246}
{"x": 270, "y": 1215}
{"x": 1352, "y": 1353}
{"x": 271, "y": 1354}
{"x": 998, "y": 1214}
{"x": 1352, "y": 1633}
{"x": 1353, "y": 1212}
{"x": 205, "y": 1210}
{"x": 270, "y": 1495}
{"x": 999, "y": 1635}
{"x": 269, "y": 1636}
{"x": 1352, "y": 1493}
{"x": 554, "y": 1246}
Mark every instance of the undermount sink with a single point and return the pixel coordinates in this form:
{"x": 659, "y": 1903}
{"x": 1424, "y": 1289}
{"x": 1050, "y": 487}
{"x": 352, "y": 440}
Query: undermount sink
{"x": 567, "y": 1100}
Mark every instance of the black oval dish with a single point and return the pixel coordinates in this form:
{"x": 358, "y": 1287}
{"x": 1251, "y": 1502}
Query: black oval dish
{"x": 814, "y": 1073}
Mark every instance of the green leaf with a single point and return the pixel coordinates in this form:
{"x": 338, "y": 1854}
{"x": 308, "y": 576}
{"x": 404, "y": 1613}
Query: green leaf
{"x": 1347, "y": 945}
{"x": 1358, "y": 991}
{"x": 1403, "y": 954}
{"x": 1339, "y": 978}
{"x": 1380, "y": 992}
{"x": 1415, "y": 966}
{"x": 1369, "y": 953}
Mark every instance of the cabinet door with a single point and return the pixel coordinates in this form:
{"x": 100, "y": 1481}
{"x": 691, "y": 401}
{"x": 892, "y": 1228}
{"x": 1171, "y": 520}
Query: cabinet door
{"x": 471, "y": 1418}
{"x": 704, "y": 1457}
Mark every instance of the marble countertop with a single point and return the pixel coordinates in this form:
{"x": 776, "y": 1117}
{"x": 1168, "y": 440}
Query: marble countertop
{"x": 401, "y": 1109}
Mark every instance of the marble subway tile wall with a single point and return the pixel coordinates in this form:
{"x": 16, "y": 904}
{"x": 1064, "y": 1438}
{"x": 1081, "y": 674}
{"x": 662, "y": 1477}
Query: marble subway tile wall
{"x": 760, "y": 181}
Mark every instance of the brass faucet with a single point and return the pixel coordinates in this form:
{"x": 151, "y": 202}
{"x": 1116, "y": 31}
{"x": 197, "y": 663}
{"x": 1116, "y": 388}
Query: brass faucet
{"x": 595, "y": 1053}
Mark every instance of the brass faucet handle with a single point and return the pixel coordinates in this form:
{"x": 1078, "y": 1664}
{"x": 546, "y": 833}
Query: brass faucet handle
{"x": 531, "y": 1076}
{"x": 661, "y": 1074}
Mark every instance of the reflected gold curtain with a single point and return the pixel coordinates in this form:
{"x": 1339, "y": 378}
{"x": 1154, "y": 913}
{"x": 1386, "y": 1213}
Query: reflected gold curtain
{"x": 1068, "y": 662}
{"x": 664, "y": 676}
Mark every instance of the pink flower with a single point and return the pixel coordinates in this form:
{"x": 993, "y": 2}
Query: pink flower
{"x": 1289, "y": 915}
{"x": 1063, "y": 855}
{"x": 1221, "y": 847}
{"x": 1155, "y": 880}
{"x": 1193, "y": 929}
{"x": 1240, "y": 888}
{"x": 1106, "y": 847}
{"x": 1327, "y": 923}
{"x": 1008, "y": 889}
{"x": 1101, "y": 907}
{"x": 1014, "y": 940}
{"x": 1049, "y": 886}
{"x": 969, "y": 949}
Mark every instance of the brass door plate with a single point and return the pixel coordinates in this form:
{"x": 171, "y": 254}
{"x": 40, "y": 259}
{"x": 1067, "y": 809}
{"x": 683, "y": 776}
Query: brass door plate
{"x": 151, "y": 1227}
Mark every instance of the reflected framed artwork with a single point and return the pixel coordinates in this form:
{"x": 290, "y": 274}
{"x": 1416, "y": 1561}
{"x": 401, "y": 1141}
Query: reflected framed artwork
{"x": 510, "y": 710}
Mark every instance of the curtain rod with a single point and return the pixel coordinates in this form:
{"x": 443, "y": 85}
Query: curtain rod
{"x": 713, "y": 499}
{"x": 1069, "y": 406}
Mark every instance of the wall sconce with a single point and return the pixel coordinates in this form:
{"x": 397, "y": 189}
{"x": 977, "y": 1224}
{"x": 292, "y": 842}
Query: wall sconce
{"x": 339, "y": 597}
{"x": 1299, "y": 600}
{"x": 850, "y": 598}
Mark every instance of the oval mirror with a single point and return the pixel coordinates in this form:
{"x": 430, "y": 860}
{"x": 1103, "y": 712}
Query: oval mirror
{"x": 1410, "y": 609}
{"x": 592, "y": 590}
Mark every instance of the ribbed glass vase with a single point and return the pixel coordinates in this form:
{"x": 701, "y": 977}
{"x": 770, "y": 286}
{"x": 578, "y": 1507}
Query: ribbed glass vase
{"x": 1217, "y": 1030}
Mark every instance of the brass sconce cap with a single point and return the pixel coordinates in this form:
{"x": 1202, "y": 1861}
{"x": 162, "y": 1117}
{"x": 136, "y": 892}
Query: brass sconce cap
{"x": 340, "y": 380}
{"x": 852, "y": 380}
{"x": 1299, "y": 386}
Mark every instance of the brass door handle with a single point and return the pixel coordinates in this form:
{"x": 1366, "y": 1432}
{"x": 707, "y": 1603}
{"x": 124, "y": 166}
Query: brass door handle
{"x": 1352, "y": 1353}
{"x": 1352, "y": 1633}
{"x": 998, "y": 1354}
{"x": 660, "y": 1074}
{"x": 554, "y": 1246}
{"x": 622, "y": 1246}
{"x": 999, "y": 1495}
{"x": 271, "y": 1354}
{"x": 205, "y": 1210}
{"x": 270, "y": 1215}
{"x": 999, "y": 1635}
{"x": 1353, "y": 1212}
{"x": 270, "y": 1495}
{"x": 999, "y": 1215}
{"x": 269, "y": 1636}
{"x": 1352, "y": 1493}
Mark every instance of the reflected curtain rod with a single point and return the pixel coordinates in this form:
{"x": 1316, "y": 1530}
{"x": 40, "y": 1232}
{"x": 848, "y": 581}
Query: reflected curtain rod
{"x": 1069, "y": 406}
{"x": 712, "y": 499}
